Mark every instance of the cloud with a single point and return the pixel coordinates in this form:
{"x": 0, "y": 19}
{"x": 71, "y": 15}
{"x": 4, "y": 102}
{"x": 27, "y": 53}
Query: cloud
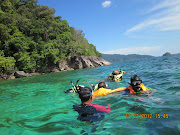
{"x": 164, "y": 4}
{"x": 136, "y": 50}
{"x": 165, "y": 16}
{"x": 106, "y": 4}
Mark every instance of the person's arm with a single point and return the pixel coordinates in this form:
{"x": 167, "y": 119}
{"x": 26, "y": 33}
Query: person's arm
{"x": 146, "y": 91}
{"x": 101, "y": 108}
{"x": 150, "y": 94}
{"x": 118, "y": 89}
{"x": 109, "y": 77}
{"x": 127, "y": 72}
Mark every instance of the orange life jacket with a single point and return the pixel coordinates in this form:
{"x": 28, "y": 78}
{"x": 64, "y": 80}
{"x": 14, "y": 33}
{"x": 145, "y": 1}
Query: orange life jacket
{"x": 133, "y": 92}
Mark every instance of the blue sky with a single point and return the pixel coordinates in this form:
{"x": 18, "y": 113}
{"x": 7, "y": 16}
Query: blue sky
{"x": 150, "y": 27}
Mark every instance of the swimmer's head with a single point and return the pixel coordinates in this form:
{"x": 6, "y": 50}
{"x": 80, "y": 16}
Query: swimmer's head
{"x": 78, "y": 88}
{"x": 102, "y": 85}
{"x": 135, "y": 83}
{"x": 116, "y": 72}
{"x": 85, "y": 94}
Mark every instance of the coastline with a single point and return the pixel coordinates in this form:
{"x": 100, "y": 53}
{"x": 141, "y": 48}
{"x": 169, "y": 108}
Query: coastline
{"x": 72, "y": 63}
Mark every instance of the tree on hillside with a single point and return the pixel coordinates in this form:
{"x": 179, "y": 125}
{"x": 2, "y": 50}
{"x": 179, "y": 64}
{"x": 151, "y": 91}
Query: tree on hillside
{"x": 32, "y": 38}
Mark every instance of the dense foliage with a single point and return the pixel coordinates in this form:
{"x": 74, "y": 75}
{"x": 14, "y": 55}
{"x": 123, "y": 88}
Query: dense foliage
{"x": 113, "y": 58}
{"x": 32, "y": 38}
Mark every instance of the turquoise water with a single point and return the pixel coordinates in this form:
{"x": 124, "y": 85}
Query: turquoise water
{"x": 38, "y": 105}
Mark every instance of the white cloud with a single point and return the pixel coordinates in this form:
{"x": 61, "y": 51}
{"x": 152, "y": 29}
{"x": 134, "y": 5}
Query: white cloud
{"x": 106, "y": 4}
{"x": 165, "y": 16}
{"x": 136, "y": 50}
{"x": 165, "y": 4}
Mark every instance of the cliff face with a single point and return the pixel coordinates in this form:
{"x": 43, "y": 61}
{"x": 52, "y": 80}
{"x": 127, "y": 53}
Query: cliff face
{"x": 73, "y": 63}
{"x": 80, "y": 62}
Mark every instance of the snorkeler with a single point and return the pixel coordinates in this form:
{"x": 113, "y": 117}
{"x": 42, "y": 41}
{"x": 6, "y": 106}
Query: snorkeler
{"x": 88, "y": 111}
{"x": 103, "y": 90}
{"x": 74, "y": 88}
{"x": 136, "y": 86}
{"x": 116, "y": 75}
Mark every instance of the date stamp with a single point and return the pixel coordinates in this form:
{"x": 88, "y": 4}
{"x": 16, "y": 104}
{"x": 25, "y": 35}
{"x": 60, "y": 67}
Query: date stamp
{"x": 147, "y": 116}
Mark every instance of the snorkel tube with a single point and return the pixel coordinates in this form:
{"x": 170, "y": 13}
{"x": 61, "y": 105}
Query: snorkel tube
{"x": 77, "y": 82}
{"x": 74, "y": 87}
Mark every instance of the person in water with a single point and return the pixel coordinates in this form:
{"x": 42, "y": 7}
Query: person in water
{"x": 104, "y": 91}
{"x": 116, "y": 75}
{"x": 88, "y": 111}
{"x": 136, "y": 86}
{"x": 74, "y": 88}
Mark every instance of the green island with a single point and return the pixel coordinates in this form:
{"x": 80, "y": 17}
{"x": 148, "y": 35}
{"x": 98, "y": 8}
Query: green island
{"x": 167, "y": 54}
{"x": 32, "y": 38}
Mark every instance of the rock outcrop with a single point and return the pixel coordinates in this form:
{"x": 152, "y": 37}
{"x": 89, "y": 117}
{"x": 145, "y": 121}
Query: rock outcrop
{"x": 72, "y": 63}
{"x": 80, "y": 62}
{"x": 19, "y": 74}
{"x": 7, "y": 76}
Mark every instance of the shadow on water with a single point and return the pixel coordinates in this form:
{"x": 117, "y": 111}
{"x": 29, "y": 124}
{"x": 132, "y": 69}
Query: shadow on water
{"x": 61, "y": 127}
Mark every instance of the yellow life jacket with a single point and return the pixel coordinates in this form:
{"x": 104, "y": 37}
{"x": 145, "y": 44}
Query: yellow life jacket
{"x": 102, "y": 92}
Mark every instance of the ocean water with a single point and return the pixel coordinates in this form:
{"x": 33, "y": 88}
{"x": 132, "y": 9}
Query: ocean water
{"x": 38, "y": 105}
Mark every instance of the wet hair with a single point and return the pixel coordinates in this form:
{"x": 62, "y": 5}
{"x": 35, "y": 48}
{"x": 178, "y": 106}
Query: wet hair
{"x": 135, "y": 78}
{"x": 79, "y": 87}
{"x": 85, "y": 94}
{"x": 102, "y": 85}
{"x": 116, "y": 72}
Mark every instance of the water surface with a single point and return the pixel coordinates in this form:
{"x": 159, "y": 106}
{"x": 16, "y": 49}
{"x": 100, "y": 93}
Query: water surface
{"x": 38, "y": 105}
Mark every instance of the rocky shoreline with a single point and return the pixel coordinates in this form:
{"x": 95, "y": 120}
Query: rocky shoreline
{"x": 72, "y": 63}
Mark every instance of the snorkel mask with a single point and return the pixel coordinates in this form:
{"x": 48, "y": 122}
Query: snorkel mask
{"x": 136, "y": 83}
{"x": 116, "y": 72}
{"x": 136, "y": 86}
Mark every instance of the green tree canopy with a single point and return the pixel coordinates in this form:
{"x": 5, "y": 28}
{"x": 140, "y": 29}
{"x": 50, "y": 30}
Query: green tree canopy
{"x": 32, "y": 38}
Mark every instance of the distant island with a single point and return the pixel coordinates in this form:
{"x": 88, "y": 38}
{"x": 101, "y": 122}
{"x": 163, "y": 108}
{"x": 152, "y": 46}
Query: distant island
{"x": 113, "y": 58}
{"x": 167, "y": 54}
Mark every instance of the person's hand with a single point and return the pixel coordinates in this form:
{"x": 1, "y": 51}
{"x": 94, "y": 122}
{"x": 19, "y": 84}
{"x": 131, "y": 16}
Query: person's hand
{"x": 149, "y": 95}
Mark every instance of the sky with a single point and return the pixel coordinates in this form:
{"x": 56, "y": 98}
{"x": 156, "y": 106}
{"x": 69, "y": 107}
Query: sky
{"x": 145, "y": 27}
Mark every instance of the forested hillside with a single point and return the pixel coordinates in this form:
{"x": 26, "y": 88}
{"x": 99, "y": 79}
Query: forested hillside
{"x": 113, "y": 58}
{"x": 32, "y": 38}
